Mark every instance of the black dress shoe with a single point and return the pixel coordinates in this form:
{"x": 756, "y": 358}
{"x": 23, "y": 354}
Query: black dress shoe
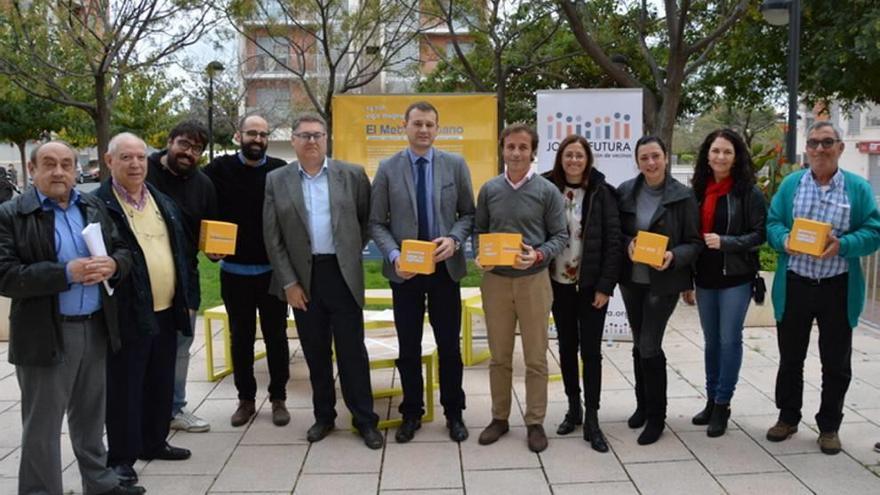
{"x": 126, "y": 474}
{"x": 318, "y": 431}
{"x": 458, "y": 432}
{"x": 407, "y": 430}
{"x": 372, "y": 438}
{"x": 125, "y": 490}
{"x": 167, "y": 453}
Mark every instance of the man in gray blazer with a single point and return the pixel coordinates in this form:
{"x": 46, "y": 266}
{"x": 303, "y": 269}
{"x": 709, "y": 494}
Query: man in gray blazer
{"x": 315, "y": 228}
{"x": 424, "y": 193}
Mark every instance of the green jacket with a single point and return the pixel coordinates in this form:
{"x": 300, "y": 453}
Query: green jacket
{"x": 862, "y": 239}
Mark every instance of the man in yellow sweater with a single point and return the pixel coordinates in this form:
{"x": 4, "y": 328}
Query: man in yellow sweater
{"x": 152, "y": 310}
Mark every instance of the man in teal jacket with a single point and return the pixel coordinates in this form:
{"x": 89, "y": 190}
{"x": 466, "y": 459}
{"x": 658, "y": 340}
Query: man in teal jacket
{"x": 829, "y": 288}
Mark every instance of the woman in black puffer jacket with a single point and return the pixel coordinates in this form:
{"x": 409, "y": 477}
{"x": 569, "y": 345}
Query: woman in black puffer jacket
{"x": 583, "y": 277}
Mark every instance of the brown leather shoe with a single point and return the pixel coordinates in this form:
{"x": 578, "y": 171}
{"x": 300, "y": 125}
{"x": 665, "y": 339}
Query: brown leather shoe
{"x": 537, "y": 438}
{"x": 494, "y": 431}
{"x": 246, "y": 410}
{"x": 829, "y": 442}
{"x": 280, "y": 415}
{"x": 781, "y": 431}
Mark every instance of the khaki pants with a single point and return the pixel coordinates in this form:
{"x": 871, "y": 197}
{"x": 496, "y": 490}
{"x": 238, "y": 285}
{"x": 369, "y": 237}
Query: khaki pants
{"x": 506, "y": 301}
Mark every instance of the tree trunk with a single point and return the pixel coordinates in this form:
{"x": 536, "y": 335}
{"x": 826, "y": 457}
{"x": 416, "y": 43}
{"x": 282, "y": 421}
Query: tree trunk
{"x": 328, "y": 118}
{"x": 501, "y": 94}
{"x": 101, "y": 118}
{"x": 24, "y": 174}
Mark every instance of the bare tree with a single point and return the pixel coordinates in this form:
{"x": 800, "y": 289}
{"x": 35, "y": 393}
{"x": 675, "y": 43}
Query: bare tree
{"x": 331, "y": 46}
{"x": 507, "y": 27}
{"x": 79, "y": 53}
{"x": 690, "y": 32}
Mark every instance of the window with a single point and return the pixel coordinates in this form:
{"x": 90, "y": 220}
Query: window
{"x": 854, "y": 125}
{"x": 278, "y": 49}
{"x": 872, "y": 116}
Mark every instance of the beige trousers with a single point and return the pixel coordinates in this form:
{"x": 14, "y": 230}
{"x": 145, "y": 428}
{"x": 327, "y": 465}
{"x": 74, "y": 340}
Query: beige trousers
{"x": 506, "y": 301}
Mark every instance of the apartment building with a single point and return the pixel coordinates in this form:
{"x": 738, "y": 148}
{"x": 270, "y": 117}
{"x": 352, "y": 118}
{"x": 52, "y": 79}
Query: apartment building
{"x": 285, "y": 69}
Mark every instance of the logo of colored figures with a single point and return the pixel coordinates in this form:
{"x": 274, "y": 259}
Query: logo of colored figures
{"x": 609, "y": 127}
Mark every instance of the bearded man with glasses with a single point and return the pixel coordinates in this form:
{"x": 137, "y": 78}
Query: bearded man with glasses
{"x": 240, "y": 180}
{"x": 175, "y": 172}
{"x": 828, "y": 288}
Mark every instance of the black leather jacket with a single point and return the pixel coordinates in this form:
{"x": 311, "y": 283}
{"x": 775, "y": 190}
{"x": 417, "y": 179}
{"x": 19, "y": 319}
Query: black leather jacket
{"x": 745, "y": 232}
{"x": 32, "y": 277}
{"x": 136, "y": 316}
{"x": 677, "y": 217}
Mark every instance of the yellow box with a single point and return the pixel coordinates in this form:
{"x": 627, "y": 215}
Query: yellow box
{"x": 808, "y": 236}
{"x": 217, "y": 237}
{"x": 499, "y": 249}
{"x": 417, "y": 257}
{"x": 650, "y": 248}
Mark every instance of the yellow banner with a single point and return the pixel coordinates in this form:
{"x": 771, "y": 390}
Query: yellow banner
{"x": 370, "y": 128}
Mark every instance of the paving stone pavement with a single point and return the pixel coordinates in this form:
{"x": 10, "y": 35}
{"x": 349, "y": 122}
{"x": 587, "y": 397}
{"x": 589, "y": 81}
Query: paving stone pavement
{"x": 261, "y": 458}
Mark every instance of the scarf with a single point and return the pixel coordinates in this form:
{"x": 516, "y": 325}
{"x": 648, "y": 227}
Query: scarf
{"x": 714, "y": 190}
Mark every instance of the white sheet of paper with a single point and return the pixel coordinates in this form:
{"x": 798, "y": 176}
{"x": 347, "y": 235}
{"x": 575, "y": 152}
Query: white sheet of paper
{"x": 95, "y": 242}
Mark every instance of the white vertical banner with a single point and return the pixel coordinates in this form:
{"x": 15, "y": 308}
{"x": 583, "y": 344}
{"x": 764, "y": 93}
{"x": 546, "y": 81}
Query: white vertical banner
{"x": 611, "y": 120}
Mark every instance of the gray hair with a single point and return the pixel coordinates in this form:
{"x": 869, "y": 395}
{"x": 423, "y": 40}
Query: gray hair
{"x": 113, "y": 146}
{"x": 815, "y": 126}
{"x": 308, "y": 117}
{"x": 36, "y": 149}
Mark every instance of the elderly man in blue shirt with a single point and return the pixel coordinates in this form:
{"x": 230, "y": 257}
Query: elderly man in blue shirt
{"x": 62, "y": 319}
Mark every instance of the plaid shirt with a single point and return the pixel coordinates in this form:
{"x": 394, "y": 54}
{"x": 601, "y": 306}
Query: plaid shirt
{"x": 828, "y": 204}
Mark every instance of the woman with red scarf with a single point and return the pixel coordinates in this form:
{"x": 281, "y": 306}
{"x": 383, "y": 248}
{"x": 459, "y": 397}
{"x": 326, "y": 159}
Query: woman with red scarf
{"x": 733, "y": 214}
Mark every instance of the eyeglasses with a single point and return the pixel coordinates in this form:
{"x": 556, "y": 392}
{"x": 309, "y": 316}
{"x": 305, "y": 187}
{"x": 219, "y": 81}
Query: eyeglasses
{"x": 826, "y": 143}
{"x": 308, "y": 136}
{"x": 253, "y": 134}
{"x": 185, "y": 145}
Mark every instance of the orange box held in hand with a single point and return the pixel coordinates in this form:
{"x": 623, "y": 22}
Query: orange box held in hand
{"x": 217, "y": 237}
{"x": 650, "y": 248}
{"x": 499, "y": 249}
{"x": 809, "y": 236}
{"x": 417, "y": 257}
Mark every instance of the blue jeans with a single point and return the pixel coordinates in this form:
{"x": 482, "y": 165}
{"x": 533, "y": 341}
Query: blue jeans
{"x": 722, "y": 313}
{"x": 181, "y": 367}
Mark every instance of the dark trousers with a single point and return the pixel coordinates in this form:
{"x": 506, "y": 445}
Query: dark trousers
{"x": 334, "y": 317}
{"x": 444, "y": 312}
{"x": 648, "y": 314}
{"x": 579, "y": 325}
{"x": 243, "y": 295}
{"x": 140, "y": 390}
{"x": 826, "y": 303}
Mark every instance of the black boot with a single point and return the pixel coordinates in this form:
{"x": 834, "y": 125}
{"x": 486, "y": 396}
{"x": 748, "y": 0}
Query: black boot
{"x": 702, "y": 417}
{"x": 637, "y": 420}
{"x": 573, "y": 417}
{"x": 655, "y": 399}
{"x": 592, "y": 433}
{"x": 718, "y": 422}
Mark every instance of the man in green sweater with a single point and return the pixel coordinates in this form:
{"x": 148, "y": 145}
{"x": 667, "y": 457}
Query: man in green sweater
{"x": 520, "y": 201}
{"x": 828, "y": 288}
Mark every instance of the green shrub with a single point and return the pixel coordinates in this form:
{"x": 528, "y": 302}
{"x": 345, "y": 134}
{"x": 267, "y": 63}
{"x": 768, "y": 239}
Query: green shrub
{"x": 767, "y": 257}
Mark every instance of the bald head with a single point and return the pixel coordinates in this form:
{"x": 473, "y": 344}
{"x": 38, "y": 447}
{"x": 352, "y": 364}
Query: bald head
{"x": 253, "y": 134}
{"x": 53, "y": 169}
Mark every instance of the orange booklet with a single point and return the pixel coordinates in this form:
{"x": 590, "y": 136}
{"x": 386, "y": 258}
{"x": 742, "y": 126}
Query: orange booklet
{"x": 808, "y": 236}
{"x": 217, "y": 237}
{"x": 499, "y": 249}
{"x": 417, "y": 256}
{"x": 650, "y": 248}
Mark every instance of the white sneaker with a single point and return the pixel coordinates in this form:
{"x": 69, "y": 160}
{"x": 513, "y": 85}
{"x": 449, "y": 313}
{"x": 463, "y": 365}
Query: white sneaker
{"x": 187, "y": 421}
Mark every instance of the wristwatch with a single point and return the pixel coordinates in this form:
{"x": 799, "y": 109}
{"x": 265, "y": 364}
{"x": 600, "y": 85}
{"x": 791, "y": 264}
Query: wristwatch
{"x": 457, "y": 243}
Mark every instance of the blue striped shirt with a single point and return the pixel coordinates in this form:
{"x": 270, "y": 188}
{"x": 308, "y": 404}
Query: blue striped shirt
{"x": 830, "y": 204}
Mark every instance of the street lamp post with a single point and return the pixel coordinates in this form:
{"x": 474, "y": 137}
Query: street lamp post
{"x": 780, "y": 13}
{"x": 212, "y": 68}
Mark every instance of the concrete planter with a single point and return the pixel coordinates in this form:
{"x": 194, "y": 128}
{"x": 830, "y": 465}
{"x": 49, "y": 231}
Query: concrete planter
{"x": 762, "y": 316}
{"x": 4, "y": 318}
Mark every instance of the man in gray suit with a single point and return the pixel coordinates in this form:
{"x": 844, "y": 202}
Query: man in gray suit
{"x": 315, "y": 227}
{"x": 424, "y": 193}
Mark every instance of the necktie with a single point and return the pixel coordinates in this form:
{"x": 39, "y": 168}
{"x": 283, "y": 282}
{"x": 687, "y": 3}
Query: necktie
{"x": 422, "y": 198}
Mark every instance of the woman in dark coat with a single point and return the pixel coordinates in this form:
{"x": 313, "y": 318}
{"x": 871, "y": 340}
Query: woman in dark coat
{"x": 733, "y": 214}
{"x": 583, "y": 277}
{"x": 655, "y": 202}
